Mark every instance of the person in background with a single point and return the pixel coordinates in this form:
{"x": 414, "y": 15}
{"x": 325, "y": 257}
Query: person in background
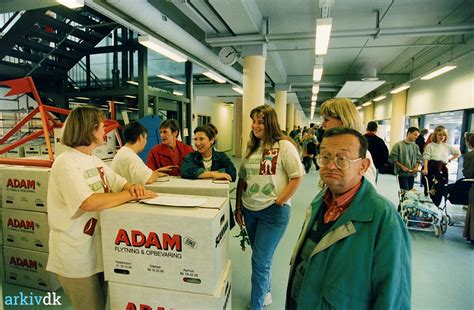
{"x": 468, "y": 170}
{"x": 354, "y": 249}
{"x": 127, "y": 163}
{"x": 377, "y": 147}
{"x": 208, "y": 163}
{"x": 309, "y": 144}
{"x": 341, "y": 112}
{"x": 420, "y": 141}
{"x": 406, "y": 158}
{"x": 80, "y": 186}
{"x": 436, "y": 156}
{"x": 269, "y": 176}
{"x": 169, "y": 154}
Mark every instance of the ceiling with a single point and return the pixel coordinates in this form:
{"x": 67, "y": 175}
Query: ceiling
{"x": 394, "y": 40}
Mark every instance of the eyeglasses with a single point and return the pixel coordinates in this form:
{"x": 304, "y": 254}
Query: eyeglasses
{"x": 342, "y": 163}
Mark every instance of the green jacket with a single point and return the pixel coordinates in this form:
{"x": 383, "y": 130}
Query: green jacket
{"x": 362, "y": 262}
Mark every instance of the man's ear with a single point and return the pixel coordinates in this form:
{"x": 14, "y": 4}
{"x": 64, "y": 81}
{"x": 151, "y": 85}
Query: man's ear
{"x": 364, "y": 166}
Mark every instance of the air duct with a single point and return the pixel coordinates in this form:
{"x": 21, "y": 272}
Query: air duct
{"x": 151, "y": 18}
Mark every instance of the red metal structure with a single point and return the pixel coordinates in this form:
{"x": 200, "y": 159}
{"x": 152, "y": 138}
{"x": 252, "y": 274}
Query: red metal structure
{"x": 26, "y": 85}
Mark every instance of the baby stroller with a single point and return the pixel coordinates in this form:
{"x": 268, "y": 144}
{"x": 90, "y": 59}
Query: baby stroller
{"x": 456, "y": 193}
{"x": 420, "y": 213}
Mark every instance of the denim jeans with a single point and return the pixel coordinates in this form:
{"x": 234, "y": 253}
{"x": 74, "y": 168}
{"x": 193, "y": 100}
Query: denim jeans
{"x": 406, "y": 182}
{"x": 265, "y": 229}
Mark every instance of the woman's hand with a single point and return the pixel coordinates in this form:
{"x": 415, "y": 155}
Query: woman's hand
{"x": 221, "y": 176}
{"x": 138, "y": 191}
{"x": 239, "y": 218}
{"x": 167, "y": 168}
{"x": 424, "y": 171}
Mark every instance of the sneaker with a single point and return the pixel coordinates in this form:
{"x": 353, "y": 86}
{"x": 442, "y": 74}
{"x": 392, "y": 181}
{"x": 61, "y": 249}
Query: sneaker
{"x": 266, "y": 301}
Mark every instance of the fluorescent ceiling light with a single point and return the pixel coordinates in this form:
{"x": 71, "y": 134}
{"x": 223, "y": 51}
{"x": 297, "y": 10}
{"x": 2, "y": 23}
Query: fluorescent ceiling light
{"x": 130, "y": 96}
{"x": 358, "y": 107}
{"x": 366, "y": 104}
{"x": 177, "y": 93}
{"x": 323, "y": 33}
{"x": 165, "y": 77}
{"x": 315, "y": 89}
{"x": 379, "y": 98}
{"x": 83, "y": 98}
{"x": 162, "y": 48}
{"x": 132, "y": 82}
{"x": 317, "y": 73}
{"x": 116, "y": 102}
{"x": 238, "y": 89}
{"x": 214, "y": 76}
{"x": 312, "y": 115}
{"x": 72, "y": 4}
{"x": 438, "y": 71}
{"x": 358, "y": 89}
{"x": 314, "y": 97}
{"x": 400, "y": 88}
{"x": 313, "y": 104}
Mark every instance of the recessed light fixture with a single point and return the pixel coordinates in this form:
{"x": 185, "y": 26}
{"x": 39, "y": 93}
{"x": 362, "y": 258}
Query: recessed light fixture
{"x": 379, "y": 98}
{"x": 168, "y": 78}
{"x": 366, "y": 104}
{"x": 215, "y": 76}
{"x": 162, "y": 48}
{"x": 72, "y": 4}
{"x": 83, "y": 98}
{"x": 323, "y": 33}
{"x": 238, "y": 89}
{"x": 438, "y": 71}
{"x": 177, "y": 93}
{"x": 132, "y": 82}
{"x": 400, "y": 88}
{"x": 130, "y": 96}
{"x": 315, "y": 89}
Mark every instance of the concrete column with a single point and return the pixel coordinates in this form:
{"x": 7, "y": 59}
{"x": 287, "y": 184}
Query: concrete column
{"x": 368, "y": 113}
{"x": 290, "y": 116}
{"x": 238, "y": 150}
{"x": 281, "y": 91}
{"x": 253, "y": 86}
{"x": 296, "y": 121}
{"x": 397, "y": 122}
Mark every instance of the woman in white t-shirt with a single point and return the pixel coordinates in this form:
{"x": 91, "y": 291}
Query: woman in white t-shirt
{"x": 269, "y": 175}
{"x": 436, "y": 156}
{"x": 81, "y": 185}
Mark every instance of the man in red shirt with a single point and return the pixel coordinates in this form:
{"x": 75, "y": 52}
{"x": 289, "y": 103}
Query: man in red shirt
{"x": 168, "y": 155}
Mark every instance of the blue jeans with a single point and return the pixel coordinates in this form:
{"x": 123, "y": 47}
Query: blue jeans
{"x": 265, "y": 229}
{"x": 406, "y": 182}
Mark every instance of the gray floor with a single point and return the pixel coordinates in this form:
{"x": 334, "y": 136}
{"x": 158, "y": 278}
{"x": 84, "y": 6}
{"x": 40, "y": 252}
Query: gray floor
{"x": 443, "y": 271}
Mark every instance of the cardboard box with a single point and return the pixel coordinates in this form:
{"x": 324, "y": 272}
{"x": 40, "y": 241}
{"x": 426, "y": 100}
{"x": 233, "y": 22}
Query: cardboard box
{"x": 25, "y": 229}
{"x": 28, "y": 268}
{"x": 105, "y": 151}
{"x": 16, "y": 152}
{"x": 183, "y": 249}
{"x": 32, "y": 150}
{"x": 108, "y": 149}
{"x": 44, "y": 149}
{"x": 125, "y": 296}
{"x": 25, "y": 188}
{"x": 177, "y": 185}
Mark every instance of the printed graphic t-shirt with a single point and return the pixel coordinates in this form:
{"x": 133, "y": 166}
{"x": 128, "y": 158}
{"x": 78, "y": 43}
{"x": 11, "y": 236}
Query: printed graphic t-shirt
{"x": 75, "y": 249}
{"x": 267, "y": 172}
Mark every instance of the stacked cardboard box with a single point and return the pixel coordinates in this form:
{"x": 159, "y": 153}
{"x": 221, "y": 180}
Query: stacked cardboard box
{"x": 177, "y": 185}
{"x": 25, "y": 227}
{"x": 105, "y": 151}
{"x": 168, "y": 251}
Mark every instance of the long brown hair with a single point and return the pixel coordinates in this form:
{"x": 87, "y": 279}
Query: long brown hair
{"x": 273, "y": 132}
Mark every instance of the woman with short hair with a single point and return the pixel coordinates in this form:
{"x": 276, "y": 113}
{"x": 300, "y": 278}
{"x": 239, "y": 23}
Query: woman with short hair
{"x": 80, "y": 186}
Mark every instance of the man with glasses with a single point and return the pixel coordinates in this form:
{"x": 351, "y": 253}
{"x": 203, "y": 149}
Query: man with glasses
{"x": 354, "y": 250}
